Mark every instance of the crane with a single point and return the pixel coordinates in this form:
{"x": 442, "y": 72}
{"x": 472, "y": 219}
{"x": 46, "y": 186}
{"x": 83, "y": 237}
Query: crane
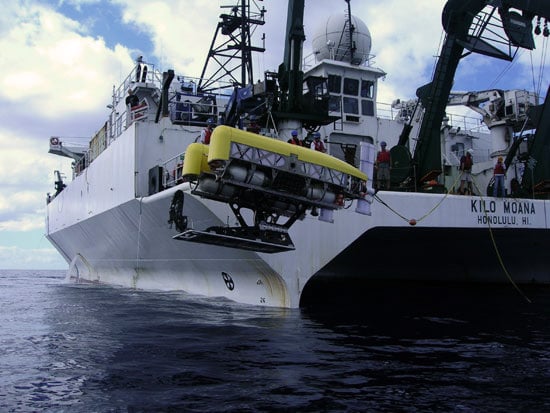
{"x": 465, "y": 23}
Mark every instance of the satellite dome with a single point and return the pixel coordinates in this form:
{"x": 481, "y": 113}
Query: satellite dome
{"x": 331, "y": 40}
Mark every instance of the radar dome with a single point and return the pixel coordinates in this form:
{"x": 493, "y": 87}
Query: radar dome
{"x": 331, "y": 40}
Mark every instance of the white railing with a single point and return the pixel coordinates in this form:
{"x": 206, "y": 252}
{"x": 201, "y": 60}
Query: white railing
{"x": 338, "y": 54}
{"x": 172, "y": 170}
{"x": 464, "y": 122}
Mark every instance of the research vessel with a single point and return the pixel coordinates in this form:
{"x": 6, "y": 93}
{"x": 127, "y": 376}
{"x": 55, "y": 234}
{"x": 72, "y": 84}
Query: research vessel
{"x": 253, "y": 218}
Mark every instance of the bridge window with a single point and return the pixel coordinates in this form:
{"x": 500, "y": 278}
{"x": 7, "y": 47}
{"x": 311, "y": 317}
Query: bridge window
{"x": 351, "y": 86}
{"x": 318, "y": 87}
{"x": 367, "y": 89}
{"x": 334, "y": 103}
{"x": 367, "y": 107}
{"x": 351, "y": 105}
{"x": 334, "y": 84}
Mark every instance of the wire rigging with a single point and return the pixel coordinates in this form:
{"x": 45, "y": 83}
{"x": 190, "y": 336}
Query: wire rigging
{"x": 542, "y": 64}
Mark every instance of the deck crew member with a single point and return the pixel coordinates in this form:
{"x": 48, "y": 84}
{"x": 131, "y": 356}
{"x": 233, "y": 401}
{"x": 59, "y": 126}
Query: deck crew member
{"x": 207, "y": 132}
{"x": 383, "y": 161}
{"x": 253, "y": 125}
{"x": 317, "y": 143}
{"x": 294, "y": 138}
{"x": 466, "y": 163}
{"x": 132, "y": 99}
{"x": 498, "y": 173}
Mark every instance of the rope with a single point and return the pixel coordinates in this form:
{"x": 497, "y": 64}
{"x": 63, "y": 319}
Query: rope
{"x": 412, "y": 221}
{"x": 390, "y": 208}
{"x": 497, "y": 252}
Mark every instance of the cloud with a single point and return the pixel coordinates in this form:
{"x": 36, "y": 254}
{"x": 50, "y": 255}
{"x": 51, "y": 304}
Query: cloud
{"x": 26, "y": 176}
{"x": 52, "y": 74}
{"x": 405, "y": 39}
{"x": 181, "y": 32}
{"x": 52, "y": 68}
{"x": 14, "y": 257}
{"x": 21, "y": 222}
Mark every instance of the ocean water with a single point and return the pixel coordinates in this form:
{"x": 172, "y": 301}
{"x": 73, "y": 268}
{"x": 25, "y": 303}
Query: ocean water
{"x": 398, "y": 348}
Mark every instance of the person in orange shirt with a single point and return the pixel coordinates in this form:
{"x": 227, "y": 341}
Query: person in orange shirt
{"x": 466, "y": 163}
{"x": 383, "y": 161}
{"x": 294, "y": 139}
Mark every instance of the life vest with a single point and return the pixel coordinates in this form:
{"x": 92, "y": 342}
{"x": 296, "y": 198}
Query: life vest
{"x": 318, "y": 145}
{"x": 207, "y": 133}
{"x": 466, "y": 162}
{"x": 500, "y": 169}
{"x": 383, "y": 157}
{"x": 295, "y": 141}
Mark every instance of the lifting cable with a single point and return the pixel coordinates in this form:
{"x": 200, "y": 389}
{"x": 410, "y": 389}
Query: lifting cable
{"x": 542, "y": 64}
{"x": 537, "y": 83}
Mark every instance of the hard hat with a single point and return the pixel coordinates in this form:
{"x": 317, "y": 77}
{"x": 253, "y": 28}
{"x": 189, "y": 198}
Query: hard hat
{"x": 383, "y": 143}
{"x": 470, "y": 151}
{"x": 316, "y": 135}
{"x": 294, "y": 133}
{"x": 499, "y": 159}
{"x": 210, "y": 121}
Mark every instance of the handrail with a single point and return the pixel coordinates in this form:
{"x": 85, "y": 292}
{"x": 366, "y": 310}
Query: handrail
{"x": 172, "y": 170}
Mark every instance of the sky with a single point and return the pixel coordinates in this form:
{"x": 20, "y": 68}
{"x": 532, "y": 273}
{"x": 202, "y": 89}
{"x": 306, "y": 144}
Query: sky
{"x": 61, "y": 58}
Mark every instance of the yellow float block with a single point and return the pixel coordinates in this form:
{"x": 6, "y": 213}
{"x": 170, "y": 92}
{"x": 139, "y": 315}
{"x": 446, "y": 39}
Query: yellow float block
{"x": 195, "y": 161}
{"x": 223, "y": 136}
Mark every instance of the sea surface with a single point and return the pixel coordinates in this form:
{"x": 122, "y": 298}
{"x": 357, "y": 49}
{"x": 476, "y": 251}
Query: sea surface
{"x": 68, "y": 347}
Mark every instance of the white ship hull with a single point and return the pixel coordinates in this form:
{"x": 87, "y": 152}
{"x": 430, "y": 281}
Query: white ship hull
{"x": 131, "y": 245}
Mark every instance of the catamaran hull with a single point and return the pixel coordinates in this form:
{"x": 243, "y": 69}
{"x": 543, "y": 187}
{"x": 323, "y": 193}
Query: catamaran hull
{"x": 454, "y": 238}
{"x": 131, "y": 245}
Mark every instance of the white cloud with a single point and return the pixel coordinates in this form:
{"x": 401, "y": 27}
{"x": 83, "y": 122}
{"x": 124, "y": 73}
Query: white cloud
{"x": 26, "y": 175}
{"x": 181, "y": 31}
{"x": 17, "y": 200}
{"x": 51, "y": 74}
{"x": 14, "y": 257}
{"x": 51, "y": 68}
{"x": 22, "y": 222}
{"x": 405, "y": 39}
{"x": 24, "y": 161}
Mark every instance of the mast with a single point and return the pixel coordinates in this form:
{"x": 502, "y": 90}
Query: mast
{"x": 290, "y": 71}
{"x": 230, "y": 56}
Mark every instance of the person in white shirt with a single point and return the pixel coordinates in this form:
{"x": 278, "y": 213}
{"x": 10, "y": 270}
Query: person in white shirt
{"x": 317, "y": 144}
